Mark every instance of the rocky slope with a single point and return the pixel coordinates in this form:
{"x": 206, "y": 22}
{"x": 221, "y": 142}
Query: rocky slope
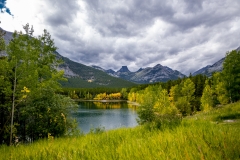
{"x": 208, "y": 70}
{"x": 216, "y": 67}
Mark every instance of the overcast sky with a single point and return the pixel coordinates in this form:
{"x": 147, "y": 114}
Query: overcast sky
{"x": 184, "y": 35}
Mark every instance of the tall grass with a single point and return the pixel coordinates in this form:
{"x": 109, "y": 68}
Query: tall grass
{"x": 202, "y": 136}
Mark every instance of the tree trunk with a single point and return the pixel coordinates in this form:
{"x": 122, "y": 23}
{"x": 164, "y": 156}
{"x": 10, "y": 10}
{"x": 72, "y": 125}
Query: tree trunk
{"x": 13, "y": 103}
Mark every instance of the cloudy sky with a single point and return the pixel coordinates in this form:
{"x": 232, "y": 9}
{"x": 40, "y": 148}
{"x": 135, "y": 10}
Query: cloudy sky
{"x": 184, "y": 35}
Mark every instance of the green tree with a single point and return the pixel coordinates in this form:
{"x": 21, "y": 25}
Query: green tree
{"x": 174, "y": 94}
{"x": 146, "y": 109}
{"x": 31, "y": 87}
{"x": 124, "y": 93}
{"x": 219, "y": 87}
{"x": 188, "y": 89}
{"x": 163, "y": 105}
{"x": 184, "y": 102}
{"x": 207, "y": 98}
{"x": 184, "y": 106}
{"x": 231, "y": 76}
{"x": 5, "y": 92}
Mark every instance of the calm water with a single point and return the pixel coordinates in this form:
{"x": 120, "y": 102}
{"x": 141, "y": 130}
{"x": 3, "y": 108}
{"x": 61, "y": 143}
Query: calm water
{"x": 109, "y": 115}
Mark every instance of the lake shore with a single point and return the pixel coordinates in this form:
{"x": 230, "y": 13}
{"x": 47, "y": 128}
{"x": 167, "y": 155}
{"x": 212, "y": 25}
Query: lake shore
{"x": 92, "y": 100}
{"x": 109, "y": 100}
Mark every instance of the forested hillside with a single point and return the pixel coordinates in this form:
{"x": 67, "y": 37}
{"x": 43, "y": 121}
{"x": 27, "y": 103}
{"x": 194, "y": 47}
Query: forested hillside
{"x": 88, "y": 77}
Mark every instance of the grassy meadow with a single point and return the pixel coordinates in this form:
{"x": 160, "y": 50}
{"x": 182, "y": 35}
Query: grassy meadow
{"x": 210, "y": 135}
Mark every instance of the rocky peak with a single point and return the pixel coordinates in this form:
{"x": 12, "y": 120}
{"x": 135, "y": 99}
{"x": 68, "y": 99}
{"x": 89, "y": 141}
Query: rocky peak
{"x": 158, "y": 66}
{"x": 110, "y": 71}
{"x": 124, "y": 69}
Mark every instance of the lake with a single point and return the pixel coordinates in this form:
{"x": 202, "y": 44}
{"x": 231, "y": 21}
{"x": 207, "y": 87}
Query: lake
{"x": 110, "y": 115}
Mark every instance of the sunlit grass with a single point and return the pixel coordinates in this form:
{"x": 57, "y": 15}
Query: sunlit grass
{"x": 203, "y": 136}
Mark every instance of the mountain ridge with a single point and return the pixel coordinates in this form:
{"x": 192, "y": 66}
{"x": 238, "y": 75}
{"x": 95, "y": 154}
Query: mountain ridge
{"x": 209, "y": 69}
{"x": 146, "y": 75}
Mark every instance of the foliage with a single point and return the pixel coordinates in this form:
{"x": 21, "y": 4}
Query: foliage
{"x": 92, "y": 93}
{"x": 155, "y": 106}
{"x": 231, "y": 76}
{"x": 146, "y": 109}
{"x": 207, "y": 99}
{"x": 188, "y": 89}
{"x": 124, "y": 93}
{"x": 30, "y": 108}
{"x": 163, "y": 105}
{"x": 219, "y": 89}
{"x": 104, "y": 96}
{"x": 184, "y": 106}
{"x": 199, "y": 84}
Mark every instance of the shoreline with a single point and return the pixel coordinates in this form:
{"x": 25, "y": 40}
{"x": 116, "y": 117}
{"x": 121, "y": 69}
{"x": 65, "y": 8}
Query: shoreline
{"x": 109, "y": 100}
{"x": 92, "y": 100}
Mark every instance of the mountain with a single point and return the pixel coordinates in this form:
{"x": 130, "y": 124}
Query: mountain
{"x": 124, "y": 69}
{"x": 146, "y": 75}
{"x": 7, "y": 38}
{"x": 82, "y": 76}
{"x": 156, "y": 74}
{"x": 209, "y": 69}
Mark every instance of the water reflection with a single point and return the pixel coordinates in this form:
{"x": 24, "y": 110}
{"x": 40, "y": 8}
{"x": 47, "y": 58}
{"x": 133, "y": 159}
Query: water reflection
{"x": 109, "y": 115}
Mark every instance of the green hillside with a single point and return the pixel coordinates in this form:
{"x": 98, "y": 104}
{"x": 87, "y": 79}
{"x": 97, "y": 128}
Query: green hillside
{"x": 80, "y": 83}
{"x": 98, "y": 78}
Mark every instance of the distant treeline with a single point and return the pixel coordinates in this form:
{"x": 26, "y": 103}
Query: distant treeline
{"x": 91, "y": 93}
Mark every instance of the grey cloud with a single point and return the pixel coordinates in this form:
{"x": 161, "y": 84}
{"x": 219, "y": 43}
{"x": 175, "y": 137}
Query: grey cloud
{"x": 193, "y": 5}
{"x": 61, "y": 12}
{"x": 127, "y": 18}
{"x": 215, "y": 12}
{"x": 193, "y": 33}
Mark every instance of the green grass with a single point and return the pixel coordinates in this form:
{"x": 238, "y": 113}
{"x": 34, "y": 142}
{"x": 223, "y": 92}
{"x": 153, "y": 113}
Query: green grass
{"x": 203, "y": 136}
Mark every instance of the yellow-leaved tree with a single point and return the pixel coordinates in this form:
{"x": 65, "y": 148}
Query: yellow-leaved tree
{"x": 207, "y": 98}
